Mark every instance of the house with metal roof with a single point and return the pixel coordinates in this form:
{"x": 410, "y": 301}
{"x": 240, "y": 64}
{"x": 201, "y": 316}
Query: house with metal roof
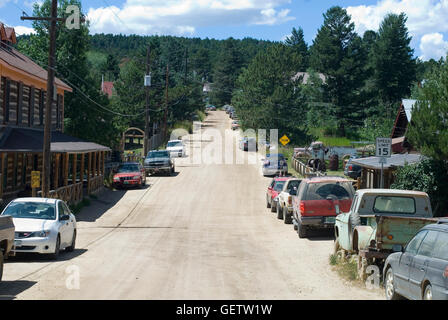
{"x": 371, "y": 169}
{"x": 77, "y": 166}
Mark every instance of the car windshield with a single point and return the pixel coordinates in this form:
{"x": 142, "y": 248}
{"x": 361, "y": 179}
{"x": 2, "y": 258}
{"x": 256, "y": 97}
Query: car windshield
{"x": 279, "y": 185}
{"x": 128, "y": 168}
{"x": 31, "y": 210}
{"x": 388, "y": 204}
{"x": 335, "y": 190}
{"x": 174, "y": 144}
{"x": 158, "y": 154}
{"x": 293, "y": 184}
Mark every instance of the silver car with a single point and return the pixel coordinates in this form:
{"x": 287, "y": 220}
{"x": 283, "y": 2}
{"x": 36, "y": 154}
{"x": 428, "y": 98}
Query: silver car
{"x": 42, "y": 225}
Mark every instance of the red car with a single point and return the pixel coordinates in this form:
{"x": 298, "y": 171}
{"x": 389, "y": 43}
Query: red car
{"x": 274, "y": 188}
{"x": 318, "y": 201}
{"x": 130, "y": 174}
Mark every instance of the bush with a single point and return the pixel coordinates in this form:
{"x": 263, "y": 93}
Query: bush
{"x": 430, "y": 176}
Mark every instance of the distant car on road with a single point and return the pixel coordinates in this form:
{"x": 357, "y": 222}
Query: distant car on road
{"x": 176, "y": 148}
{"x": 274, "y": 188}
{"x": 352, "y": 170}
{"x": 284, "y": 203}
{"x": 159, "y": 161}
{"x": 235, "y": 125}
{"x": 248, "y": 144}
{"x": 318, "y": 201}
{"x": 43, "y": 225}
{"x": 274, "y": 164}
{"x": 130, "y": 174}
{"x": 420, "y": 270}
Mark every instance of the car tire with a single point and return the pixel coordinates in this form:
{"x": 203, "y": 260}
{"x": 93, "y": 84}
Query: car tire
{"x": 1, "y": 264}
{"x": 427, "y": 293}
{"x": 389, "y": 287}
{"x": 55, "y": 254}
{"x": 286, "y": 216}
{"x": 273, "y": 207}
{"x": 279, "y": 212}
{"x": 72, "y": 246}
{"x": 268, "y": 204}
{"x": 301, "y": 230}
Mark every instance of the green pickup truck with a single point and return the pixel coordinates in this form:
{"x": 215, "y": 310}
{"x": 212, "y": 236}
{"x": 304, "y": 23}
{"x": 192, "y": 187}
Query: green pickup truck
{"x": 379, "y": 219}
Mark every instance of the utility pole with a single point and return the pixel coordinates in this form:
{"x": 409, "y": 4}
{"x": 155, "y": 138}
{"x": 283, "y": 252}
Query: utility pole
{"x": 147, "y": 86}
{"x": 166, "y": 102}
{"x": 50, "y": 93}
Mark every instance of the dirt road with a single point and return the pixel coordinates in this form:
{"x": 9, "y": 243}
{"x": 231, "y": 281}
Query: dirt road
{"x": 202, "y": 234}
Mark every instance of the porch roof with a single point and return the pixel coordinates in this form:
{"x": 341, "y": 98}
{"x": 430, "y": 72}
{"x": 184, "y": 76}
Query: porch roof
{"x": 31, "y": 140}
{"x": 396, "y": 160}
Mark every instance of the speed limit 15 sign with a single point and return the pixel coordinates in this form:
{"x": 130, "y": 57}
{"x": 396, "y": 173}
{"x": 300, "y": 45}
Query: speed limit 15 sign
{"x": 383, "y": 147}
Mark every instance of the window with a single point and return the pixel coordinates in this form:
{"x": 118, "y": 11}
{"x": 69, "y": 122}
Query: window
{"x": 31, "y": 210}
{"x": 279, "y": 185}
{"x": 414, "y": 244}
{"x": 293, "y": 184}
{"x": 441, "y": 246}
{"x": 427, "y": 246}
{"x": 320, "y": 191}
{"x": 393, "y": 204}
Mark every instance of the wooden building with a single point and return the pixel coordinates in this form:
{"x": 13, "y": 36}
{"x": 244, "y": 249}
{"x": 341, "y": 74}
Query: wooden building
{"x": 399, "y": 142}
{"x": 77, "y": 166}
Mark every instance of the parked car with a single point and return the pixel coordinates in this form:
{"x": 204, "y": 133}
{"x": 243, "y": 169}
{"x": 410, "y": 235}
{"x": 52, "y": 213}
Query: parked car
{"x": 318, "y": 201}
{"x": 284, "y": 203}
{"x": 274, "y": 164}
{"x": 176, "y": 148}
{"x": 420, "y": 270}
{"x": 6, "y": 239}
{"x": 159, "y": 161}
{"x": 235, "y": 125}
{"x": 352, "y": 170}
{"x": 130, "y": 174}
{"x": 248, "y": 144}
{"x": 42, "y": 225}
{"x": 379, "y": 219}
{"x": 274, "y": 188}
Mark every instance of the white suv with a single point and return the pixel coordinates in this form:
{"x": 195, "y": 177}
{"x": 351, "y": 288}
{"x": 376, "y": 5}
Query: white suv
{"x": 176, "y": 148}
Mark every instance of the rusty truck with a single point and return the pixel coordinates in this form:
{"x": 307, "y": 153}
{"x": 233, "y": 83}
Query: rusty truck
{"x": 377, "y": 220}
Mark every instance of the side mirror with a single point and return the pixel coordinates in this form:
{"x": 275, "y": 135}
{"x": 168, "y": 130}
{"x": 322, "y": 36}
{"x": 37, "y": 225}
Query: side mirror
{"x": 397, "y": 248}
{"x": 64, "y": 218}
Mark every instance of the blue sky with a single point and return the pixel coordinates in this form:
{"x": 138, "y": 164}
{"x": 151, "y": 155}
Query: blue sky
{"x": 261, "y": 19}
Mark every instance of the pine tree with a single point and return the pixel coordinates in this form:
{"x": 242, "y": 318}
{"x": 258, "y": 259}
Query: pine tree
{"x": 337, "y": 52}
{"x": 297, "y": 42}
{"x": 395, "y": 67}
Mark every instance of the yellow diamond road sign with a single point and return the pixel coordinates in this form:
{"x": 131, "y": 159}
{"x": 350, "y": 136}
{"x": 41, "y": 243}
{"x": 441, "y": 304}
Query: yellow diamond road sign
{"x": 284, "y": 140}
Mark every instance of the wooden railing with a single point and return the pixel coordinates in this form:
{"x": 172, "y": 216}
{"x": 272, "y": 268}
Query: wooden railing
{"x": 71, "y": 194}
{"x": 305, "y": 170}
{"x": 95, "y": 184}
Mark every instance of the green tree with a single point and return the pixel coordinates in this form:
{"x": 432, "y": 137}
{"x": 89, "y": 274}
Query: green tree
{"x": 297, "y": 42}
{"x": 266, "y": 97}
{"x": 83, "y": 117}
{"x": 394, "y": 65}
{"x": 428, "y": 130}
{"x": 338, "y": 53}
{"x": 226, "y": 73}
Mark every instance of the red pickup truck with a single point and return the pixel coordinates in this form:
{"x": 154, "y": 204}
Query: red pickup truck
{"x": 318, "y": 201}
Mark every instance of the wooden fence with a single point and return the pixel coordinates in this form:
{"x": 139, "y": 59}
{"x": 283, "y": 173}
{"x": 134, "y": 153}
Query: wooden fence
{"x": 71, "y": 194}
{"x": 305, "y": 170}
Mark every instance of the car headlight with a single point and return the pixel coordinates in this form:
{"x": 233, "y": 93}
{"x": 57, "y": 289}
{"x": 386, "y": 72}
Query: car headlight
{"x": 40, "y": 234}
{"x": 136, "y": 177}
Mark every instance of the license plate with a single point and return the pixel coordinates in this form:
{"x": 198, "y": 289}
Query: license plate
{"x": 330, "y": 219}
{"x": 17, "y": 243}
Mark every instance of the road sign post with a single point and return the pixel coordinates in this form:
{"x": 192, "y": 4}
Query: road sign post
{"x": 383, "y": 151}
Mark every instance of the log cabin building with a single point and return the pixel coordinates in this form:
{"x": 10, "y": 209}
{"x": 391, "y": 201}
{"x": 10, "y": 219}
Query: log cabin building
{"x": 77, "y": 166}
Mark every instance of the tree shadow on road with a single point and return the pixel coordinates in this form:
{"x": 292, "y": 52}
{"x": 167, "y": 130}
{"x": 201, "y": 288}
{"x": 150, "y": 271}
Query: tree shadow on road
{"x": 106, "y": 200}
{"x": 10, "y": 289}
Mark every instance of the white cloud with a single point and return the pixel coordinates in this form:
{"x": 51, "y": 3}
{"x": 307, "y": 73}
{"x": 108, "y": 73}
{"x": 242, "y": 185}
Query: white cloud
{"x": 183, "y": 17}
{"x": 433, "y": 46}
{"x": 424, "y": 16}
{"x": 21, "y": 30}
